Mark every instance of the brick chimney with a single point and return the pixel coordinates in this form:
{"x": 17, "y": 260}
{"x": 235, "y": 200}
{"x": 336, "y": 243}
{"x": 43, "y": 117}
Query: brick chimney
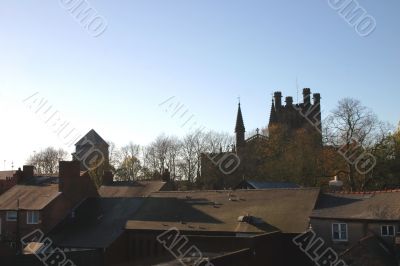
{"x": 28, "y": 171}
{"x": 316, "y": 98}
{"x": 69, "y": 175}
{"x": 108, "y": 178}
{"x": 306, "y": 96}
{"x": 278, "y": 99}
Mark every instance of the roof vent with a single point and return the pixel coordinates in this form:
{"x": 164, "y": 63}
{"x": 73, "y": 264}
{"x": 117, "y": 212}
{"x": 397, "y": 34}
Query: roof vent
{"x": 249, "y": 219}
{"x": 335, "y": 184}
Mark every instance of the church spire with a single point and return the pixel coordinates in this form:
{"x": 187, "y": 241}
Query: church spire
{"x": 239, "y": 129}
{"x": 239, "y": 121}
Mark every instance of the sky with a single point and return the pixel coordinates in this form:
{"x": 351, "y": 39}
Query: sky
{"x": 203, "y": 55}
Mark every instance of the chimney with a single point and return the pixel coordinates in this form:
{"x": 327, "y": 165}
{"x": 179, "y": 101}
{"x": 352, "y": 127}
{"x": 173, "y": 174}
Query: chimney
{"x": 108, "y": 178}
{"x": 289, "y": 101}
{"x": 317, "y": 98}
{"x": 166, "y": 175}
{"x": 28, "y": 171}
{"x": 68, "y": 172}
{"x": 278, "y": 97}
{"x": 19, "y": 175}
{"x": 306, "y": 96}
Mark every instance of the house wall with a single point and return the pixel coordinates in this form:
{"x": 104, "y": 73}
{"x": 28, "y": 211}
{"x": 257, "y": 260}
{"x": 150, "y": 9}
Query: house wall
{"x": 117, "y": 252}
{"x": 355, "y": 230}
{"x": 267, "y": 249}
{"x": 49, "y": 217}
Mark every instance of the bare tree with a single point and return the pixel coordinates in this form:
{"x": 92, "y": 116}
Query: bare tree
{"x": 173, "y": 152}
{"x": 189, "y": 156}
{"x": 129, "y": 164}
{"x": 46, "y": 161}
{"x": 217, "y": 141}
{"x": 353, "y": 128}
{"x": 113, "y": 155}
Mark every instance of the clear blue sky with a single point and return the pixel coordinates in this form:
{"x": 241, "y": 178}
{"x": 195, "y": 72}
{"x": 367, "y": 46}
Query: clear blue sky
{"x": 205, "y": 53}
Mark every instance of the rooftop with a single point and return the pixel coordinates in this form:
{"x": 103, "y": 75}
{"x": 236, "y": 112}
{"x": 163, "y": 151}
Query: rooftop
{"x": 370, "y": 251}
{"x": 130, "y": 189}
{"x": 267, "y": 185}
{"x": 93, "y": 137}
{"x": 365, "y": 206}
{"x": 5, "y": 174}
{"x": 30, "y": 197}
{"x": 270, "y": 210}
{"x": 97, "y": 223}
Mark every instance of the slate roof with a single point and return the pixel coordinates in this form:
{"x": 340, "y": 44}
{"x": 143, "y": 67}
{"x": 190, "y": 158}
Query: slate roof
{"x": 94, "y": 137}
{"x": 97, "y": 223}
{"x": 370, "y": 251}
{"x": 287, "y": 210}
{"x": 381, "y": 206}
{"x": 268, "y": 185}
{"x": 30, "y": 197}
{"x": 130, "y": 189}
{"x": 5, "y": 174}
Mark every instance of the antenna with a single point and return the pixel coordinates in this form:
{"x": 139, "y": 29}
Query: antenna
{"x": 297, "y": 90}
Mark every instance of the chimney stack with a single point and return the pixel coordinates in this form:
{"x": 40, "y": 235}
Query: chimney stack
{"x": 69, "y": 171}
{"x": 108, "y": 178}
{"x": 317, "y": 98}
{"x": 306, "y": 96}
{"x": 28, "y": 171}
{"x": 289, "y": 101}
{"x": 278, "y": 99}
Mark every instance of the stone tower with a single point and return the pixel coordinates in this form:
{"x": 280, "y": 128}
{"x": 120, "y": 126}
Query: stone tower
{"x": 305, "y": 115}
{"x": 240, "y": 131}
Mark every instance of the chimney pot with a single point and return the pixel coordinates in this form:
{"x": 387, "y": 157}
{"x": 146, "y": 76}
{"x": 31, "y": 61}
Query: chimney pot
{"x": 289, "y": 101}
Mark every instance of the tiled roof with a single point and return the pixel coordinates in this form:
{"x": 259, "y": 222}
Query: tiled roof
{"x": 30, "y": 197}
{"x": 131, "y": 189}
{"x": 287, "y": 210}
{"x": 367, "y": 206}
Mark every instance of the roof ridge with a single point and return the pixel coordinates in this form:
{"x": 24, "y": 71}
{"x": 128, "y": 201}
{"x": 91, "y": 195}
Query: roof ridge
{"x": 233, "y": 190}
{"x": 365, "y": 192}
